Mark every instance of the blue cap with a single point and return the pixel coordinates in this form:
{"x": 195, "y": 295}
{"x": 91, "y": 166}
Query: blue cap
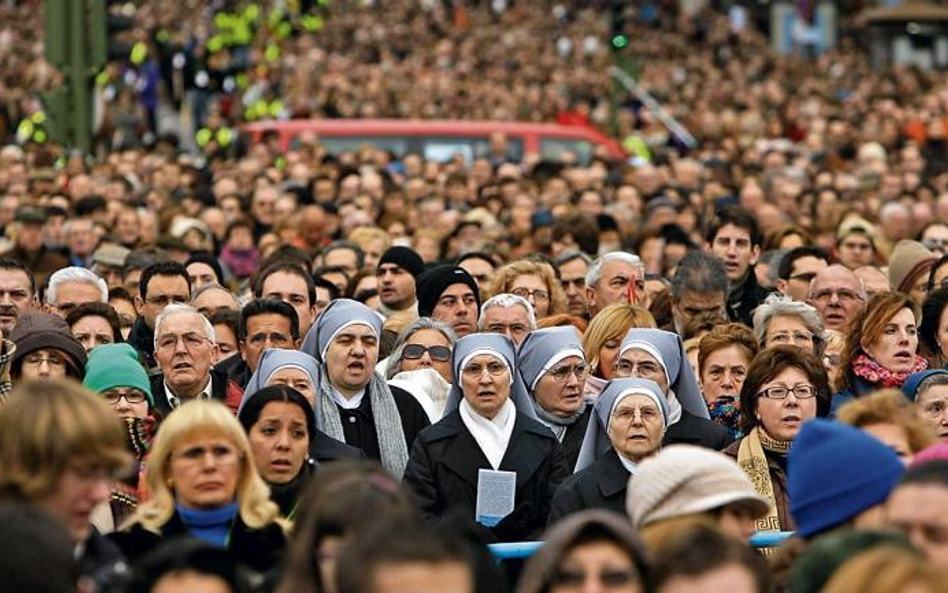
{"x": 910, "y": 386}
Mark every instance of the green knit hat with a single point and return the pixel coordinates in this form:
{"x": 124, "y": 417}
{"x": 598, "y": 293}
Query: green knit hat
{"x": 116, "y": 365}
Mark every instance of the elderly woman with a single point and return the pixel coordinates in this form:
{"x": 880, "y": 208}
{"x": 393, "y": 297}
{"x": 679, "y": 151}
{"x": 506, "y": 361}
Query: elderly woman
{"x": 881, "y": 347}
{"x": 929, "y": 391}
{"x": 891, "y": 418}
{"x": 203, "y": 483}
{"x": 489, "y": 424}
{"x": 780, "y": 320}
{"x": 421, "y": 363}
{"x": 602, "y": 339}
{"x": 724, "y": 355}
{"x": 785, "y": 386}
{"x": 590, "y": 551}
{"x": 532, "y": 281}
{"x": 554, "y": 369}
{"x": 630, "y": 420}
{"x": 659, "y": 356}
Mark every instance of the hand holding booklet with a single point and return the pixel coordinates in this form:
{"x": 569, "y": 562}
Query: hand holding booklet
{"x": 496, "y": 491}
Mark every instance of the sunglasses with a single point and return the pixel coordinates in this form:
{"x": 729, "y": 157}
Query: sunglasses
{"x": 437, "y": 353}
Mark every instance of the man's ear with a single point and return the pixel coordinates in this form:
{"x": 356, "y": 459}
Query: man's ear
{"x": 139, "y": 304}
{"x": 782, "y": 285}
{"x": 755, "y": 254}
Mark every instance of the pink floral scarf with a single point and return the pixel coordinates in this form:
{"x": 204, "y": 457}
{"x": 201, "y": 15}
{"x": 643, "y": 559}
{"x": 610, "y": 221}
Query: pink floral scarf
{"x": 872, "y": 371}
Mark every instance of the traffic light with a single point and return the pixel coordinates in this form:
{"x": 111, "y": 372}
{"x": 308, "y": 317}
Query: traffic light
{"x": 618, "y": 38}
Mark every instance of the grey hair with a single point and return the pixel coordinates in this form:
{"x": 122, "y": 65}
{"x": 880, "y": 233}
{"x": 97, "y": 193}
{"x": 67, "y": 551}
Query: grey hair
{"x": 179, "y": 309}
{"x": 395, "y": 359}
{"x": 507, "y": 300}
{"x": 594, "y": 274}
{"x": 213, "y": 286}
{"x": 780, "y": 305}
{"x": 773, "y": 258}
{"x": 75, "y": 274}
{"x": 933, "y": 381}
{"x": 699, "y": 272}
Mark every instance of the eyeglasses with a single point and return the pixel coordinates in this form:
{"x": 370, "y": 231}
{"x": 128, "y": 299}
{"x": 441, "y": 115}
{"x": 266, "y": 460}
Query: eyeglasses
{"x": 537, "y": 294}
{"x": 844, "y": 295}
{"x": 626, "y": 368}
{"x": 795, "y": 338}
{"x": 562, "y": 373}
{"x": 802, "y": 391}
{"x": 626, "y": 415}
{"x": 436, "y": 353}
{"x": 609, "y": 577}
{"x": 132, "y": 396}
{"x": 475, "y": 370}
{"x": 221, "y": 454}
{"x": 37, "y": 360}
{"x": 192, "y": 341}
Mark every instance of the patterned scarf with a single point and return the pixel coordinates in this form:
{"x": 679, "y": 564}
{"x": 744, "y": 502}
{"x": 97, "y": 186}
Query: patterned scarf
{"x": 726, "y": 411}
{"x": 753, "y": 460}
{"x": 872, "y": 371}
{"x": 388, "y": 422}
{"x": 126, "y": 494}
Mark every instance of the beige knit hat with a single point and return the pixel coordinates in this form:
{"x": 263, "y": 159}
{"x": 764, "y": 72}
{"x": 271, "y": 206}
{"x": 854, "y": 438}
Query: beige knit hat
{"x": 685, "y": 479}
{"x": 908, "y": 260}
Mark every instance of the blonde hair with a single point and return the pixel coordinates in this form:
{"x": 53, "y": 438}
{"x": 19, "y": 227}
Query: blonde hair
{"x": 47, "y": 423}
{"x": 504, "y": 277}
{"x": 888, "y": 406}
{"x": 204, "y": 418}
{"x": 612, "y": 323}
{"x": 364, "y": 235}
{"x": 886, "y": 569}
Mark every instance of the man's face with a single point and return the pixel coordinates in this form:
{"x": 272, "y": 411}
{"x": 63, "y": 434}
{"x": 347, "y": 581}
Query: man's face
{"x": 921, "y": 511}
{"x": 343, "y": 258}
{"x": 514, "y": 322}
{"x": 213, "y": 300}
{"x": 855, "y": 250}
{"x": 573, "y": 281}
{"x": 458, "y": 308}
{"x": 351, "y": 358}
{"x": 396, "y": 287}
{"x": 291, "y": 289}
{"x": 803, "y": 272}
{"x": 268, "y": 330}
{"x": 732, "y": 245}
{"x": 479, "y": 269}
{"x": 30, "y": 236}
{"x": 81, "y": 239}
{"x": 70, "y": 295}
{"x": 15, "y": 298}
{"x": 184, "y": 353}
{"x": 613, "y": 286}
{"x": 162, "y": 291}
{"x": 693, "y": 304}
{"x": 875, "y": 281}
{"x": 837, "y": 295}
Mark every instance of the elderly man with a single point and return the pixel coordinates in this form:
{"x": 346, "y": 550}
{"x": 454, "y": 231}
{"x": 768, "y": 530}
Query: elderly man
{"x": 355, "y": 405}
{"x": 699, "y": 286}
{"x": 837, "y": 293}
{"x": 396, "y": 274}
{"x": 573, "y": 267}
{"x": 17, "y": 293}
{"x": 449, "y": 294}
{"x": 185, "y": 349}
{"x": 74, "y": 286}
{"x": 507, "y": 314}
{"x": 29, "y": 248}
{"x": 616, "y": 277}
{"x": 213, "y": 297}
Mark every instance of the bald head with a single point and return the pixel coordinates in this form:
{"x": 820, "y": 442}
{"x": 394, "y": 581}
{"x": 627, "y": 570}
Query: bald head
{"x": 837, "y": 293}
{"x": 873, "y": 280}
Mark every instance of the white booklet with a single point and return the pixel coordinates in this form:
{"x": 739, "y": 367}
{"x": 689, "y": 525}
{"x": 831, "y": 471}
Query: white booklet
{"x": 495, "y": 495}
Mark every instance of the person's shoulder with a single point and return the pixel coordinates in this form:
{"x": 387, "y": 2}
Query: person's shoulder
{"x": 534, "y": 427}
{"x": 445, "y": 428}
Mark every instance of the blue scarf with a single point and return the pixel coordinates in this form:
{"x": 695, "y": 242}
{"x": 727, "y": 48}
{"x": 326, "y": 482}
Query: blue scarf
{"x": 212, "y": 526}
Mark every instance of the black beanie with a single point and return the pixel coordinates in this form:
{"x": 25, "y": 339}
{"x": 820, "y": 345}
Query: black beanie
{"x": 405, "y": 258}
{"x": 432, "y": 283}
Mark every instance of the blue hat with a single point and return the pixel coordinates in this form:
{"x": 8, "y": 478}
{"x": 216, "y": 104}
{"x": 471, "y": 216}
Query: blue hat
{"x": 910, "y": 386}
{"x": 275, "y": 359}
{"x": 835, "y": 472}
{"x": 340, "y": 314}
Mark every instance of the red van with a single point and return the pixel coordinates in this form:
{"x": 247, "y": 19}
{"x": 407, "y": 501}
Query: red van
{"x": 441, "y": 140}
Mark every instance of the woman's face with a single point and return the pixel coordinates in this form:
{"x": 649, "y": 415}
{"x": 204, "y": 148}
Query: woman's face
{"x": 608, "y": 353}
{"x": 427, "y": 349}
{"x": 641, "y": 364}
{"x": 560, "y": 391}
{"x": 535, "y": 290}
{"x": 941, "y": 274}
{"x": 204, "y": 470}
{"x": 127, "y": 402}
{"x": 596, "y": 566}
{"x": 789, "y": 330}
{"x": 485, "y": 383}
{"x": 895, "y": 349}
{"x": 298, "y": 380}
{"x": 280, "y": 442}
{"x": 724, "y": 372}
{"x": 782, "y": 418}
{"x": 636, "y": 427}
{"x": 92, "y": 331}
{"x": 737, "y": 521}
{"x": 44, "y": 364}
{"x": 933, "y": 408}
{"x": 894, "y": 436}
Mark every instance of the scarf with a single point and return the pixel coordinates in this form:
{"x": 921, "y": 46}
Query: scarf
{"x": 242, "y": 263}
{"x": 388, "y": 422}
{"x": 674, "y": 408}
{"x": 127, "y": 493}
{"x": 287, "y": 496}
{"x": 492, "y": 435}
{"x": 558, "y": 424}
{"x": 753, "y": 460}
{"x": 872, "y": 371}
{"x": 726, "y": 411}
{"x": 210, "y": 525}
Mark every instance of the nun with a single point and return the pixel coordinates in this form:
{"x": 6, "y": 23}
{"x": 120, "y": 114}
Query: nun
{"x": 630, "y": 419}
{"x": 489, "y": 424}
{"x": 299, "y": 371}
{"x": 354, "y": 404}
{"x": 553, "y": 367}
{"x": 659, "y": 356}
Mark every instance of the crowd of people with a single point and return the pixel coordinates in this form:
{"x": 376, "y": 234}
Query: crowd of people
{"x": 254, "y": 369}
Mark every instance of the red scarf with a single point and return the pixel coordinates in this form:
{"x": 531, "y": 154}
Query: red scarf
{"x": 872, "y": 371}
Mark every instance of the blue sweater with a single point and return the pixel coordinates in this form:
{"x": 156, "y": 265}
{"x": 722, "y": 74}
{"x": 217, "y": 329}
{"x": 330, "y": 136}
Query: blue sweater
{"x": 212, "y": 526}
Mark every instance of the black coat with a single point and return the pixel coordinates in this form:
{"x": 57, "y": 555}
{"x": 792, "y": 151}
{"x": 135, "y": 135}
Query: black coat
{"x": 601, "y": 485}
{"x": 692, "y": 430}
{"x": 323, "y": 448}
{"x": 358, "y": 425}
{"x": 573, "y": 440}
{"x": 236, "y": 369}
{"x": 443, "y": 469}
{"x": 142, "y": 338}
{"x": 260, "y": 550}
{"x": 744, "y": 298}
{"x": 218, "y": 390}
